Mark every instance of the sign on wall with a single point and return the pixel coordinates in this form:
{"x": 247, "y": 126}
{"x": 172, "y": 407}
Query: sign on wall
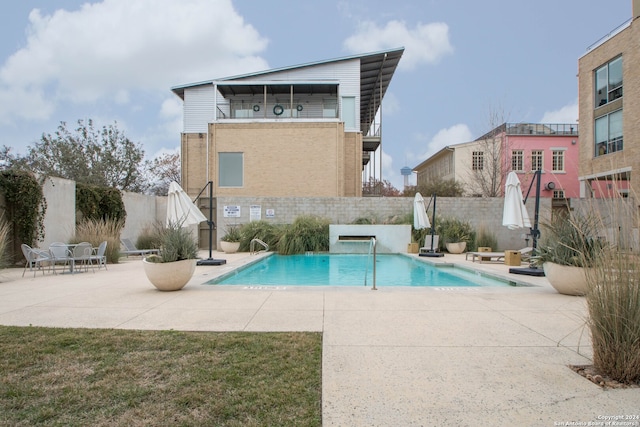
{"x": 232, "y": 211}
{"x": 255, "y": 213}
{"x": 270, "y": 213}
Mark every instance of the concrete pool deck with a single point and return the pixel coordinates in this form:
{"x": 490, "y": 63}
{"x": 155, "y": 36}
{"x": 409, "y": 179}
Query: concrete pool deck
{"x": 395, "y": 356}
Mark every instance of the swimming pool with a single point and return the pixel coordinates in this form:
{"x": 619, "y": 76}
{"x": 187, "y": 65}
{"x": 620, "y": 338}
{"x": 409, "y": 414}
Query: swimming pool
{"x": 350, "y": 270}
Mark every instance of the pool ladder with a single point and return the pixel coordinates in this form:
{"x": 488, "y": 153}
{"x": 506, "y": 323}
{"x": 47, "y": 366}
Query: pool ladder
{"x": 252, "y": 246}
{"x": 372, "y": 248}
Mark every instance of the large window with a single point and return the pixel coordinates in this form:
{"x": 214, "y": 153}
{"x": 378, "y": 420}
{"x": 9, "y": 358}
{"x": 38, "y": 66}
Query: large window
{"x": 230, "y": 169}
{"x": 477, "y": 160}
{"x": 517, "y": 160}
{"x": 608, "y": 82}
{"x": 537, "y": 160}
{"x": 349, "y": 112}
{"x": 557, "y": 164}
{"x": 608, "y": 133}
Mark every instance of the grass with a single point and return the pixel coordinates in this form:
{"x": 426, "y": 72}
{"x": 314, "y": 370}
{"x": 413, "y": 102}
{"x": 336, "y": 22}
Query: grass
{"x": 78, "y": 377}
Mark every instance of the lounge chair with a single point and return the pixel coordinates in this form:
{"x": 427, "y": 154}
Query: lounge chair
{"x": 130, "y": 249}
{"x": 429, "y": 245}
{"x": 495, "y": 256}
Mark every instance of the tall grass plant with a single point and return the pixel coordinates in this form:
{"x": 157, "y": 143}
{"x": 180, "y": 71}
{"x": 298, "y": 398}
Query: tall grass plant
{"x": 96, "y": 231}
{"x": 306, "y": 233}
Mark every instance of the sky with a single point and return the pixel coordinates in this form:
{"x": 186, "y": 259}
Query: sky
{"x": 464, "y": 62}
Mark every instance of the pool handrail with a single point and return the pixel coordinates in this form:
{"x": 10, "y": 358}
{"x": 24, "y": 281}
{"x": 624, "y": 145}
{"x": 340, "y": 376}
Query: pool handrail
{"x": 252, "y": 250}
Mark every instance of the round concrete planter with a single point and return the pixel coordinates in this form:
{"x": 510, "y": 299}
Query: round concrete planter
{"x": 169, "y": 276}
{"x": 566, "y": 279}
{"x": 456, "y": 247}
{"x": 230, "y": 247}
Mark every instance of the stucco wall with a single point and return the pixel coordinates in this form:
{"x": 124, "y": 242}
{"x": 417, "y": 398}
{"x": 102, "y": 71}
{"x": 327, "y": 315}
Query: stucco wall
{"x": 60, "y": 219}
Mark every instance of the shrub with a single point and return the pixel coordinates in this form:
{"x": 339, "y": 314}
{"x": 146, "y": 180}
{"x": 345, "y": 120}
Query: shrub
{"x": 150, "y": 236}
{"x": 613, "y": 300}
{"x": 452, "y": 230}
{"x": 177, "y": 244}
{"x": 96, "y": 231}
{"x": 5, "y": 242}
{"x": 571, "y": 240}
{"x": 485, "y": 238}
{"x": 263, "y": 230}
{"x": 307, "y": 233}
{"x": 232, "y": 235}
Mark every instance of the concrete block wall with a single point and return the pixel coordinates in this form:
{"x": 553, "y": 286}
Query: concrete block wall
{"x": 479, "y": 212}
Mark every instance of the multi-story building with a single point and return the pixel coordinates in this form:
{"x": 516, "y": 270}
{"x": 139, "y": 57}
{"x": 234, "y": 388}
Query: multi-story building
{"x": 481, "y": 166}
{"x": 609, "y": 111}
{"x": 305, "y": 130}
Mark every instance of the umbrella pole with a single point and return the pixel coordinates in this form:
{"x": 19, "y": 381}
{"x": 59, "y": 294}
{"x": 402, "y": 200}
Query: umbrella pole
{"x": 533, "y": 270}
{"x": 433, "y": 251}
{"x": 210, "y": 260}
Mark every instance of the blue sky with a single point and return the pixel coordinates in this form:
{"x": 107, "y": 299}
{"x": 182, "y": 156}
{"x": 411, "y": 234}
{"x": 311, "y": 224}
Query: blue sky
{"x": 116, "y": 60}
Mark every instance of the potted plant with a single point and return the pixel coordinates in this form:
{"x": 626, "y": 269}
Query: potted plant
{"x": 569, "y": 247}
{"x": 176, "y": 263}
{"x": 230, "y": 242}
{"x": 455, "y": 234}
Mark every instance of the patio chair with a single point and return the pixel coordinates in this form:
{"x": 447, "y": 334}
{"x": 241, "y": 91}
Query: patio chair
{"x": 99, "y": 256}
{"x": 35, "y": 259}
{"x": 130, "y": 249}
{"x": 60, "y": 254}
{"x": 82, "y": 255}
{"x": 430, "y": 245}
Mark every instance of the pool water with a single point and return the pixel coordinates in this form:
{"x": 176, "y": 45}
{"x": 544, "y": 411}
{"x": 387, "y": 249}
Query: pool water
{"x": 352, "y": 270}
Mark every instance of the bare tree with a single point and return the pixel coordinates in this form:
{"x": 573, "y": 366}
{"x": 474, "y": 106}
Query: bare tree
{"x": 489, "y": 163}
{"x": 161, "y": 171}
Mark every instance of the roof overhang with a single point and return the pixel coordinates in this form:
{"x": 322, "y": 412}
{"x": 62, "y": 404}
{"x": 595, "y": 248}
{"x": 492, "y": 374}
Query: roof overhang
{"x": 376, "y": 71}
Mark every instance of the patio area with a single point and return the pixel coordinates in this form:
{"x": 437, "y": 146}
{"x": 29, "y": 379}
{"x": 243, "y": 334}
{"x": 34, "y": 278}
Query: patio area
{"x": 395, "y": 356}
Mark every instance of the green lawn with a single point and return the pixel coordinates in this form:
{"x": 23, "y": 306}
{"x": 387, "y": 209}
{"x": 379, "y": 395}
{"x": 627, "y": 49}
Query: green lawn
{"x": 80, "y": 377}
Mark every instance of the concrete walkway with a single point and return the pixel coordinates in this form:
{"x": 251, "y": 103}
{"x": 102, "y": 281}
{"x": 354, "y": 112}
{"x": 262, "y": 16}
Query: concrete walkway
{"x": 391, "y": 357}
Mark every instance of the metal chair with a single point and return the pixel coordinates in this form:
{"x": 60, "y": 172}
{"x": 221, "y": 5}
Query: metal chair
{"x": 99, "y": 255}
{"x": 60, "y": 253}
{"x": 82, "y": 254}
{"x": 35, "y": 259}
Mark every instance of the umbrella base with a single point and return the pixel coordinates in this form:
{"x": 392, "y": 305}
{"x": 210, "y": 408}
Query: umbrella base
{"x": 211, "y": 261}
{"x": 530, "y": 271}
{"x": 431, "y": 254}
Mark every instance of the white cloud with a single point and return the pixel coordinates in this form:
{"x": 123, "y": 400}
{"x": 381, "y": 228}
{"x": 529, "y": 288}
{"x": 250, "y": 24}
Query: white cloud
{"x": 106, "y": 50}
{"x": 425, "y": 43}
{"x": 566, "y": 114}
{"x": 455, "y": 134}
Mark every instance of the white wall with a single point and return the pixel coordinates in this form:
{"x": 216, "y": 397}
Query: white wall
{"x": 60, "y": 218}
{"x": 389, "y": 238}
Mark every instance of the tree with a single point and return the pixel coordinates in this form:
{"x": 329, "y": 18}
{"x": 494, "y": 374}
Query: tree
{"x": 488, "y": 169}
{"x": 104, "y": 157}
{"x": 161, "y": 171}
{"x": 442, "y": 187}
{"x": 383, "y": 188}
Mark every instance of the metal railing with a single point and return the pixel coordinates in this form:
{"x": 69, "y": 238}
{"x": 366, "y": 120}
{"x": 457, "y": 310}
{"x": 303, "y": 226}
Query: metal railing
{"x": 252, "y": 246}
{"x": 372, "y": 247}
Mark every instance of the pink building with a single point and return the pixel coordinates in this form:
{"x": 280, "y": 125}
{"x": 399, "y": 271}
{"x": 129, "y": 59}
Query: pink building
{"x": 521, "y": 147}
{"x": 552, "y": 148}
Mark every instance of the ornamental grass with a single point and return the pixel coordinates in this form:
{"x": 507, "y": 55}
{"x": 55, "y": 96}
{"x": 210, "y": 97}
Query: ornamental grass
{"x": 96, "y": 231}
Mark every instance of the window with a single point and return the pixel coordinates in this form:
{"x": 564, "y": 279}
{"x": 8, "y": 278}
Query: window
{"x": 557, "y": 164}
{"x": 478, "y": 160}
{"x": 536, "y": 160}
{"x": 349, "y": 112}
{"x": 558, "y": 194}
{"x": 230, "y": 169}
{"x": 517, "y": 160}
{"x": 608, "y": 82}
{"x": 608, "y": 133}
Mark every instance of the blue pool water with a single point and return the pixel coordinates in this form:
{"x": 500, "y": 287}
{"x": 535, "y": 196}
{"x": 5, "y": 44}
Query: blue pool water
{"x": 349, "y": 270}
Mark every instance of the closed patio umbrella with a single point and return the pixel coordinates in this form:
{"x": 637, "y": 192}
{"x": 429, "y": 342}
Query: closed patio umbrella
{"x": 420, "y": 218}
{"x": 514, "y": 214}
{"x": 180, "y": 208}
